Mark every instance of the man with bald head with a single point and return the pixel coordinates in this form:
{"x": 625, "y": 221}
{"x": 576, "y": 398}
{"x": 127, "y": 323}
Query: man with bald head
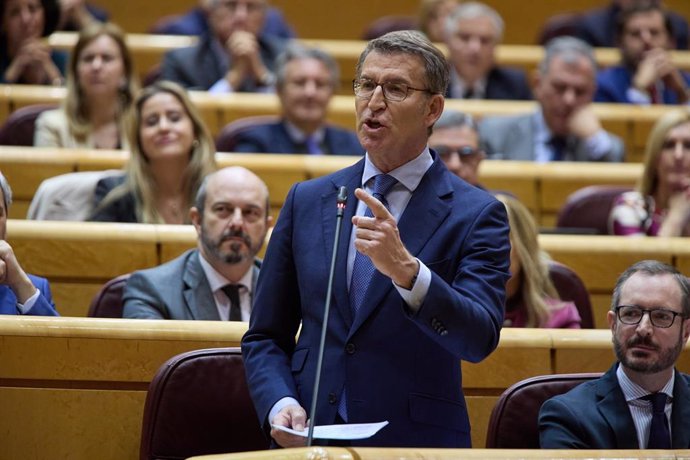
{"x": 216, "y": 280}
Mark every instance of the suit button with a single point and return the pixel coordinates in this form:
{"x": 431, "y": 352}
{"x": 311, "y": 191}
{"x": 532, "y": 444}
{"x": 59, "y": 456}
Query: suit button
{"x": 332, "y": 398}
{"x": 350, "y": 348}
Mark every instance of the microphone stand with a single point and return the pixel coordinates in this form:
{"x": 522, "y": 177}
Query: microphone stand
{"x": 341, "y": 200}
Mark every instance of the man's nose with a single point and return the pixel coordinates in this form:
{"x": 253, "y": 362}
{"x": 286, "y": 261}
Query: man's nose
{"x": 236, "y": 218}
{"x": 645, "y": 326}
{"x": 377, "y": 100}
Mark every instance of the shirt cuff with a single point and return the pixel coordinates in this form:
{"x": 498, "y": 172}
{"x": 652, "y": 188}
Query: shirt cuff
{"x": 636, "y": 96}
{"x": 415, "y": 297}
{"x": 30, "y": 302}
{"x": 599, "y": 145}
{"x": 222, "y": 86}
{"x": 277, "y": 407}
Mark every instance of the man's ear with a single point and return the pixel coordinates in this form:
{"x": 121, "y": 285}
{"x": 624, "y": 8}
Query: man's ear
{"x": 436, "y": 105}
{"x": 195, "y": 216}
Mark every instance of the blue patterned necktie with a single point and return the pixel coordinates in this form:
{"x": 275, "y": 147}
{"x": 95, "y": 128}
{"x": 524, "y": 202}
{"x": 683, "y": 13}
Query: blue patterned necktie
{"x": 659, "y": 435}
{"x": 362, "y": 268}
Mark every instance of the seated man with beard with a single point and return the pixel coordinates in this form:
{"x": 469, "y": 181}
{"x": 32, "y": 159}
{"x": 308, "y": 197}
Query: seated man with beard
{"x": 642, "y": 402}
{"x": 215, "y": 281}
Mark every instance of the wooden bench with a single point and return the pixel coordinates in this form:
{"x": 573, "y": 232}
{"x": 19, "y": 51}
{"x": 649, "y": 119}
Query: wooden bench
{"x": 347, "y": 20}
{"x": 147, "y": 52}
{"x": 542, "y": 187}
{"x": 75, "y": 387}
{"x": 79, "y": 257}
{"x": 631, "y": 123}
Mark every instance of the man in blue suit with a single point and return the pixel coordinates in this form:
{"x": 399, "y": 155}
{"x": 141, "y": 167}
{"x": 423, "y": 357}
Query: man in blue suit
{"x": 306, "y": 81}
{"x": 647, "y": 74}
{"x": 642, "y": 402}
{"x": 20, "y": 294}
{"x": 419, "y": 280}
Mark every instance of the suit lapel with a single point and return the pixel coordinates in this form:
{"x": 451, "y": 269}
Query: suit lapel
{"x": 680, "y": 435}
{"x": 614, "y": 409}
{"x": 197, "y": 293}
{"x": 427, "y": 205}
{"x": 521, "y": 140}
{"x": 350, "y": 178}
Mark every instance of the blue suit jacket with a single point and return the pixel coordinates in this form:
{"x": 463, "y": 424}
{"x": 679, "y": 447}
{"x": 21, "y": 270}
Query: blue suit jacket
{"x": 44, "y": 305}
{"x": 613, "y": 84}
{"x": 397, "y": 366}
{"x": 594, "y": 415}
{"x": 274, "y": 138}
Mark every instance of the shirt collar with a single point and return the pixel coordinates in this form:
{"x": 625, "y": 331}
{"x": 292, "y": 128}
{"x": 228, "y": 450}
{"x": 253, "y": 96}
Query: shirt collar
{"x": 633, "y": 391}
{"x": 298, "y": 136}
{"x": 410, "y": 174}
{"x": 217, "y": 281}
{"x": 459, "y": 86}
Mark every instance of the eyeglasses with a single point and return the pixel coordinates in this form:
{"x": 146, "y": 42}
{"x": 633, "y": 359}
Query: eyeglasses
{"x": 392, "y": 91}
{"x": 660, "y": 317}
{"x": 466, "y": 153}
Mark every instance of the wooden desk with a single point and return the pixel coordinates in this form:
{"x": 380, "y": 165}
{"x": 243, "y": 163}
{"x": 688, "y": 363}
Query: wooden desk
{"x": 398, "y": 453}
{"x": 75, "y": 387}
{"x": 542, "y": 187}
{"x": 347, "y": 20}
{"x": 632, "y": 123}
{"x": 147, "y": 52}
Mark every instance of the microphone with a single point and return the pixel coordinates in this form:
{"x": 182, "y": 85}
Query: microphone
{"x": 341, "y": 201}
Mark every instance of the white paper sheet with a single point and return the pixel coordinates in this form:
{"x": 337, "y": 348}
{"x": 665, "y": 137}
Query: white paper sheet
{"x": 346, "y": 431}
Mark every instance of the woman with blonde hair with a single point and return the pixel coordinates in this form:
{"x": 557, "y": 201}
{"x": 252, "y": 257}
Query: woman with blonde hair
{"x": 531, "y": 298}
{"x": 171, "y": 152}
{"x": 100, "y": 88}
{"x": 660, "y": 204}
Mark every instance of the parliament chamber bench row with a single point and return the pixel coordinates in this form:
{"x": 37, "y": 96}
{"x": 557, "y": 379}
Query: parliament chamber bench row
{"x": 75, "y": 387}
{"x": 542, "y": 187}
{"x": 348, "y": 19}
{"x": 631, "y": 123}
{"x": 78, "y": 258}
{"x": 148, "y": 50}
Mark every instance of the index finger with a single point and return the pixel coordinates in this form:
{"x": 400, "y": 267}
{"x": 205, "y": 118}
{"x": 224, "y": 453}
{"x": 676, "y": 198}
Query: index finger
{"x": 377, "y": 208}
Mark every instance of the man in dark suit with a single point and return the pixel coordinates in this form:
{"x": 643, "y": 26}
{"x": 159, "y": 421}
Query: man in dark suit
{"x": 632, "y": 405}
{"x": 216, "y": 281}
{"x": 472, "y": 32}
{"x": 20, "y": 293}
{"x": 232, "y": 57}
{"x": 647, "y": 74}
{"x": 598, "y": 27}
{"x": 564, "y": 127}
{"x": 419, "y": 281}
{"x": 306, "y": 81}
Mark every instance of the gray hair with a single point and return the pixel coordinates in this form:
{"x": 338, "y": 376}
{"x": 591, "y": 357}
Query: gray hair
{"x": 473, "y": 10}
{"x": 297, "y": 51}
{"x": 414, "y": 43}
{"x": 569, "y": 49}
{"x": 6, "y": 192}
{"x": 455, "y": 119}
{"x": 654, "y": 268}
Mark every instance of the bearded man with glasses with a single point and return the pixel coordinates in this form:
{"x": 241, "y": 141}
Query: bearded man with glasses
{"x": 642, "y": 402}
